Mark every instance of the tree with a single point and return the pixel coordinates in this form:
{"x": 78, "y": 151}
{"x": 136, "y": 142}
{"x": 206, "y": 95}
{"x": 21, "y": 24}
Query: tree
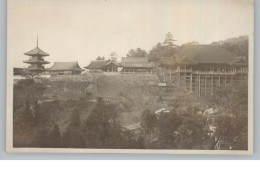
{"x": 168, "y": 130}
{"x": 129, "y": 140}
{"x": 54, "y": 139}
{"x": 72, "y": 138}
{"x": 30, "y": 74}
{"x": 30, "y": 91}
{"x": 138, "y": 52}
{"x": 101, "y": 129}
{"x": 156, "y": 53}
{"x": 100, "y": 58}
{"x": 168, "y": 42}
{"x": 237, "y": 45}
{"x": 149, "y": 122}
{"x": 232, "y": 123}
{"x": 193, "y": 133}
{"x": 166, "y": 49}
{"x": 24, "y": 128}
{"x": 113, "y": 56}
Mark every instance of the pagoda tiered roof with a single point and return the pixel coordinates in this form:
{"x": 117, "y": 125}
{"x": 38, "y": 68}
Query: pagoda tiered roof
{"x": 36, "y": 52}
{"x": 36, "y": 61}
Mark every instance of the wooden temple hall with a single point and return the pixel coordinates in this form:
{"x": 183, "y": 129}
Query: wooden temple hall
{"x": 203, "y": 69}
{"x": 103, "y": 65}
{"x": 137, "y": 65}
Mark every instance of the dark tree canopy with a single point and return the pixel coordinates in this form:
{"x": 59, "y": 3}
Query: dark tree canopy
{"x": 168, "y": 41}
{"x": 163, "y": 50}
{"x": 149, "y": 121}
{"x": 101, "y": 130}
{"x": 138, "y": 52}
{"x": 113, "y": 56}
{"x": 237, "y": 45}
{"x": 72, "y": 137}
{"x": 100, "y": 58}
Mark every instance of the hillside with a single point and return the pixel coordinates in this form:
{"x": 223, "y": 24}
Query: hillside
{"x": 132, "y": 93}
{"x": 238, "y": 45}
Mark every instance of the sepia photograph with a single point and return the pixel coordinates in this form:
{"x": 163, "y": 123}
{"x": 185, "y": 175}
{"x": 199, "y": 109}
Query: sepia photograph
{"x": 130, "y": 76}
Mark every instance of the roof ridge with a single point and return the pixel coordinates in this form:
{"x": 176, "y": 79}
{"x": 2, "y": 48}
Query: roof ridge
{"x": 98, "y": 60}
{"x": 67, "y": 62}
{"x": 68, "y": 65}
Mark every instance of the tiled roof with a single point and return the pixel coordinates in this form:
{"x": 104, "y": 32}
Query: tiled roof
{"x": 200, "y": 54}
{"x": 137, "y": 62}
{"x": 36, "y": 51}
{"x": 239, "y": 60}
{"x": 99, "y": 64}
{"x": 65, "y": 66}
{"x": 36, "y": 61}
{"x": 204, "y": 54}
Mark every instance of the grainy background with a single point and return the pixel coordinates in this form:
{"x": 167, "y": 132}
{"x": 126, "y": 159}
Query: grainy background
{"x": 4, "y": 155}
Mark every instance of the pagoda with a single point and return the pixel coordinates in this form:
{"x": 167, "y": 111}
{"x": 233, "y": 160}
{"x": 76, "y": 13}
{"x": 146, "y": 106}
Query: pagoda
{"x": 36, "y": 61}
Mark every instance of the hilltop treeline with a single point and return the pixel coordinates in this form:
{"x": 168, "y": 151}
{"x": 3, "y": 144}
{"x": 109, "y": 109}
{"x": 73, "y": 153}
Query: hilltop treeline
{"x": 237, "y": 45}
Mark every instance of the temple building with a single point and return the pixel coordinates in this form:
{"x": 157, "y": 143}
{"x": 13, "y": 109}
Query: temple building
{"x": 137, "y": 65}
{"x": 65, "y": 68}
{"x": 203, "y": 69}
{"x": 103, "y": 66}
{"x": 36, "y": 61}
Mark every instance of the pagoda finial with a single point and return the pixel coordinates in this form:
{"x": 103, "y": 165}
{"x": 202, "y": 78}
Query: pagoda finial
{"x": 37, "y": 40}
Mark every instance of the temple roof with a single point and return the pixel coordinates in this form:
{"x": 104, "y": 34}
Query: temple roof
{"x": 211, "y": 54}
{"x": 36, "y": 51}
{"x": 240, "y": 60}
{"x": 65, "y": 66}
{"x": 137, "y": 62}
{"x": 201, "y": 54}
{"x": 99, "y": 64}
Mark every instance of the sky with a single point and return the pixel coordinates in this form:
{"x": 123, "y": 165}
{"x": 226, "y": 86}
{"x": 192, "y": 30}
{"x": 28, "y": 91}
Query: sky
{"x": 82, "y": 30}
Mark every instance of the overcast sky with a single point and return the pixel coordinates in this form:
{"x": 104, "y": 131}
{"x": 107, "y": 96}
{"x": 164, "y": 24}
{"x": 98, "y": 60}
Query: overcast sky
{"x": 81, "y": 30}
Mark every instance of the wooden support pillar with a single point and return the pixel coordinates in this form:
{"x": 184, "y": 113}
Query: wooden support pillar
{"x": 199, "y": 86}
{"x": 170, "y": 74}
{"x": 212, "y": 85}
{"x": 185, "y": 77}
{"x": 191, "y": 82}
{"x": 219, "y": 81}
{"x": 205, "y": 85}
{"x": 164, "y": 73}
